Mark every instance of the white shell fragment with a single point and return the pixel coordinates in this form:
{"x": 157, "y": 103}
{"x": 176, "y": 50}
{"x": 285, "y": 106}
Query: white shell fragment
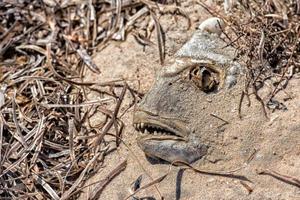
{"x": 212, "y": 25}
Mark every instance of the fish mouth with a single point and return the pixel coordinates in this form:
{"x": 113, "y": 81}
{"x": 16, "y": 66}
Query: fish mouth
{"x": 166, "y": 138}
{"x": 151, "y": 126}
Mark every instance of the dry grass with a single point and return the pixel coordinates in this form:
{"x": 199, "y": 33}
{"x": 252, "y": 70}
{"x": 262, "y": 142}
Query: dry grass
{"x": 48, "y": 146}
{"x": 266, "y": 36}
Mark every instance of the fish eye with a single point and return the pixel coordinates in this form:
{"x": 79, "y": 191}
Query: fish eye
{"x": 204, "y": 78}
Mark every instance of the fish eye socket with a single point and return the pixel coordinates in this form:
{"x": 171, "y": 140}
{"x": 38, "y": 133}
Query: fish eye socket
{"x": 205, "y": 78}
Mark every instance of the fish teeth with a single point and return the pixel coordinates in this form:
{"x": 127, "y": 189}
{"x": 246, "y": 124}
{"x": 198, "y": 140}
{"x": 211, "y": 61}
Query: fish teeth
{"x": 144, "y": 128}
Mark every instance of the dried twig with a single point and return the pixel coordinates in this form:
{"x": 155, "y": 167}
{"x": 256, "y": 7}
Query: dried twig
{"x": 284, "y": 178}
{"x": 227, "y": 174}
{"x": 95, "y": 194}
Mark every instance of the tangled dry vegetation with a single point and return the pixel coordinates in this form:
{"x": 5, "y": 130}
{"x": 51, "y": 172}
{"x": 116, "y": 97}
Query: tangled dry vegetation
{"x": 266, "y": 35}
{"x": 48, "y": 147}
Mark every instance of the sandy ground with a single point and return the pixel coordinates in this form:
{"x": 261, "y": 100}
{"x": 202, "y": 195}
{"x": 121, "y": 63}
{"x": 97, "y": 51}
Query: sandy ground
{"x": 272, "y": 143}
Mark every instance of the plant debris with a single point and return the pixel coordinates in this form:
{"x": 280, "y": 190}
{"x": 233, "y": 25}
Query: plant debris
{"x": 268, "y": 41}
{"x": 49, "y": 145}
{"x": 284, "y": 178}
{"x": 266, "y": 36}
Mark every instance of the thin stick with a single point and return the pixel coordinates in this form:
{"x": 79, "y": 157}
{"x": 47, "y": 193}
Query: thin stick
{"x": 284, "y": 178}
{"x": 95, "y": 194}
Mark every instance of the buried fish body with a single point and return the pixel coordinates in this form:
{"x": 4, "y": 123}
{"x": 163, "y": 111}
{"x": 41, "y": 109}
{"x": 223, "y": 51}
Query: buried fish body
{"x": 174, "y": 118}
